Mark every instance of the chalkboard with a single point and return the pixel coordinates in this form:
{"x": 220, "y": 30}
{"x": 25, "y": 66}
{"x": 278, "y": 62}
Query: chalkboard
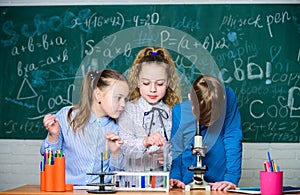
{"x": 46, "y": 50}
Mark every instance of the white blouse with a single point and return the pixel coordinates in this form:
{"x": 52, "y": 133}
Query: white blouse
{"x": 139, "y": 120}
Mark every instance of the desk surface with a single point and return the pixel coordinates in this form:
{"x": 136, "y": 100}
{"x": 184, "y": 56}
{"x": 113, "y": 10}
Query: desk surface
{"x": 35, "y": 189}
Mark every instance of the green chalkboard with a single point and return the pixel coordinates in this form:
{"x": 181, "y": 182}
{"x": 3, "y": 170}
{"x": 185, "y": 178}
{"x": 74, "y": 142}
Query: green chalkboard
{"x": 46, "y": 50}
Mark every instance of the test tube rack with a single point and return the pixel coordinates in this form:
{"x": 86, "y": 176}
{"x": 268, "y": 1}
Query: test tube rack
{"x": 142, "y": 181}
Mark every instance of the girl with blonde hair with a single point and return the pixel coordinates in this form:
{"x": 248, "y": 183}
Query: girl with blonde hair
{"x": 145, "y": 124}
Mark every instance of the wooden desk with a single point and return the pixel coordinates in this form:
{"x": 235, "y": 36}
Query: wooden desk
{"x": 35, "y": 190}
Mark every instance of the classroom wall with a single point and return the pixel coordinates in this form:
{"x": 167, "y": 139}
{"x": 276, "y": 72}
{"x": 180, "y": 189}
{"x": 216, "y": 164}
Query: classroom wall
{"x": 19, "y": 159}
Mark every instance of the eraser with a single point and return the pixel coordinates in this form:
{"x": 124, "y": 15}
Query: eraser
{"x": 207, "y": 187}
{"x": 187, "y": 188}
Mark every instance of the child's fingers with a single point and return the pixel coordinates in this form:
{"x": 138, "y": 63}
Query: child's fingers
{"x": 157, "y": 139}
{"x": 160, "y": 142}
{"x": 113, "y": 137}
{"x": 49, "y": 120}
{"x": 110, "y": 135}
{"x": 119, "y": 143}
{"x": 50, "y": 123}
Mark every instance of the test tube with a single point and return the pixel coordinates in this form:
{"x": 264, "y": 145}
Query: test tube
{"x": 101, "y": 161}
{"x": 153, "y": 167}
{"x": 127, "y": 168}
{"x": 143, "y": 168}
{"x": 139, "y": 168}
{"x": 106, "y": 150}
{"x": 118, "y": 177}
{"x": 166, "y": 149}
{"x": 133, "y": 165}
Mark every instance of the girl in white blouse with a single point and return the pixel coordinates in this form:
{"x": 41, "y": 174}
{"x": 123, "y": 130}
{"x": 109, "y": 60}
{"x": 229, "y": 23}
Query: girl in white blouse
{"x": 145, "y": 124}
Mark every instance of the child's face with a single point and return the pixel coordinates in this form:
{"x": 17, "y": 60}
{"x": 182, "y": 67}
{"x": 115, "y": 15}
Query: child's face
{"x": 153, "y": 82}
{"x": 114, "y": 98}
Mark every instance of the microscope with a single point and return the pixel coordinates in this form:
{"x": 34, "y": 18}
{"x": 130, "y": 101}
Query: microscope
{"x": 199, "y": 150}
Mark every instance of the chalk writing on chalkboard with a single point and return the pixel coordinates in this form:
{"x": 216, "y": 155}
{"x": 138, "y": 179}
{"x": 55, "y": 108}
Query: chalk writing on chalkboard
{"x": 46, "y": 50}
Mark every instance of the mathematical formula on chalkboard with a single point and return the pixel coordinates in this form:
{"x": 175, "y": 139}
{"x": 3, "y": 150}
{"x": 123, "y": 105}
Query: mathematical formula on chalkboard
{"x": 46, "y": 50}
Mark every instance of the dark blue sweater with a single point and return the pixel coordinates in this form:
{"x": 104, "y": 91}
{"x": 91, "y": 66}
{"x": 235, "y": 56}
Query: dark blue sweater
{"x": 223, "y": 158}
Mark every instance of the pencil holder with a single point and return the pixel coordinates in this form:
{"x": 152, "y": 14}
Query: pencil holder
{"x": 271, "y": 183}
{"x": 42, "y": 181}
{"x": 59, "y": 176}
{"x": 53, "y": 179}
{"x": 49, "y": 178}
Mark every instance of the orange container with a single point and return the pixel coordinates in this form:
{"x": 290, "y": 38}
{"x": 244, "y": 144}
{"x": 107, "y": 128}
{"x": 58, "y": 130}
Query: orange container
{"x": 69, "y": 187}
{"x": 49, "y": 178}
{"x": 59, "y": 176}
{"x": 42, "y": 180}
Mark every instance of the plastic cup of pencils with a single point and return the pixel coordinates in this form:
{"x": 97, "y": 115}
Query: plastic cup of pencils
{"x": 271, "y": 183}
{"x": 49, "y": 178}
{"x": 42, "y": 180}
{"x": 59, "y": 177}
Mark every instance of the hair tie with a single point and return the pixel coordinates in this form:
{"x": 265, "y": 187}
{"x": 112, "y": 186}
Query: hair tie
{"x": 154, "y": 53}
{"x": 94, "y": 77}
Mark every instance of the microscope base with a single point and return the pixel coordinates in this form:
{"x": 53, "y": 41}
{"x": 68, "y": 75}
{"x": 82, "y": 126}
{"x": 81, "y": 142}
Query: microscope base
{"x": 196, "y": 186}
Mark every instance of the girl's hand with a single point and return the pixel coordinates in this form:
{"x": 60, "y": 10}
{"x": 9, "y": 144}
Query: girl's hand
{"x": 159, "y": 155}
{"x": 52, "y": 126}
{"x": 223, "y": 185}
{"x": 154, "y": 139}
{"x": 174, "y": 183}
{"x": 114, "y": 143}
